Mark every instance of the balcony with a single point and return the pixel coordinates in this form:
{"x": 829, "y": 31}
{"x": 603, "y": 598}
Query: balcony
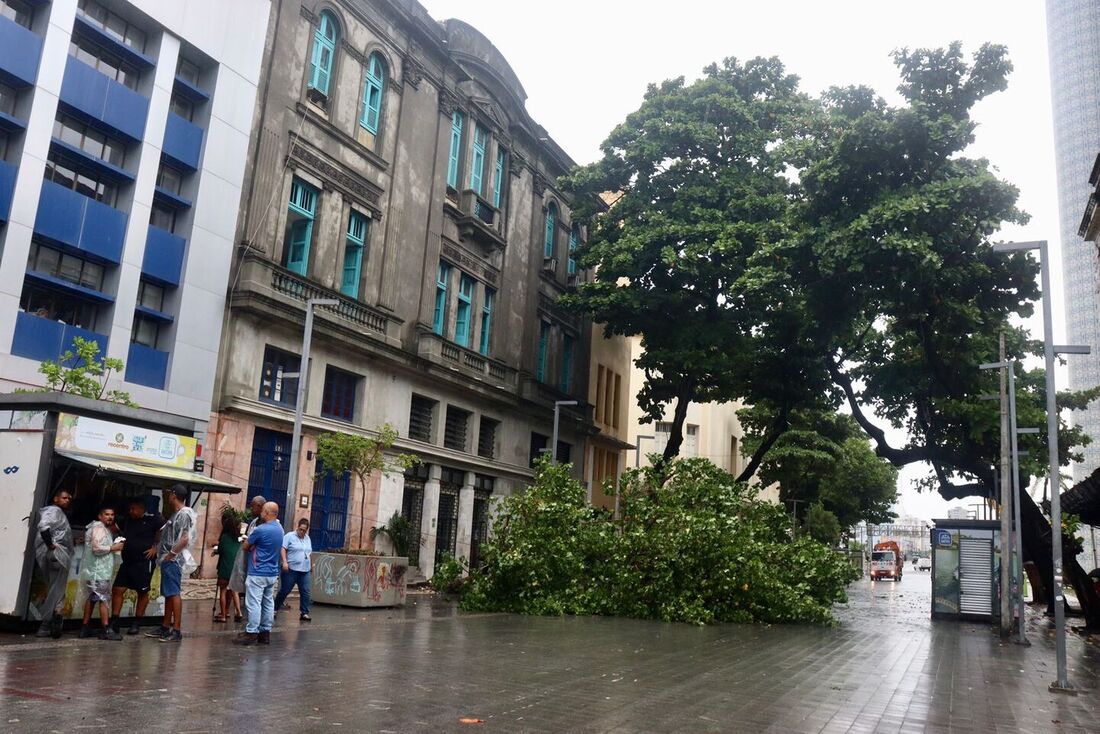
{"x": 436, "y": 349}
{"x": 40, "y": 338}
{"x": 94, "y": 97}
{"x": 7, "y": 185}
{"x": 477, "y": 220}
{"x": 273, "y": 291}
{"x": 146, "y": 366}
{"x": 83, "y": 28}
{"x": 72, "y": 219}
{"x": 182, "y": 142}
{"x": 163, "y": 259}
{"x": 20, "y": 50}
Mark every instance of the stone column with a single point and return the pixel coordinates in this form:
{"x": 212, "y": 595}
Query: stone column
{"x": 465, "y": 516}
{"x": 430, "y": 514}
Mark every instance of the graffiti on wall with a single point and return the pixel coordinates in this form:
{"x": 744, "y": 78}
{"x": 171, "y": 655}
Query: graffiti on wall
{"x": 358, "y": 580}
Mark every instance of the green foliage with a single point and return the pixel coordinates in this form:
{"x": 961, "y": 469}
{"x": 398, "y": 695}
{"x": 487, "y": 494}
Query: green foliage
{"x": 397, "y": 531}
{"x": 362, "y": 455}
{"x": 241, "y": 516}
{"x": 80, "y": 371}
{"x": 822, "y": 525}
{"x": 693, "y": 545}
{"x": 448, "y": 577}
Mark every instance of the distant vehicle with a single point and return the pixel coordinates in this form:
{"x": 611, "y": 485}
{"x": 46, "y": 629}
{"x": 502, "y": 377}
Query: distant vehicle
{"x": 886, "y": 561}
{"x": 924, "y": 563}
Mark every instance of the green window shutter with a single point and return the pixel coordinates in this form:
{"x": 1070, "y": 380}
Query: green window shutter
{"x": 372, "y": 94}
{"x": 566, "y": 364}
{"x": 462, "y": 313}
{"x": 456, "y": 149}
{"x": 574, "y": 237}
{"x": 301, "y": 233}
{"x": 353, "y": 255}
{"x": 477, "y": 165}
{"x": 439, "y": 319}
{"x": 487, "y": 320}
{"x": 551, "y": 224}
{"x": 498, "y": 178}
{"x": 544, "y": 346}
{"x": 324, "y": 49}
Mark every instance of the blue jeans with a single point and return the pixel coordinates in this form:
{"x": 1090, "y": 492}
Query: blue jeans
{"x": 260, "y": 601}
{"x": 289, "y": 580}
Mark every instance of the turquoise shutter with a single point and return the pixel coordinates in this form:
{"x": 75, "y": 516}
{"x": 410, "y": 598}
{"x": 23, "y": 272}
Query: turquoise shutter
{"x": 487, "y": 320}
{"x": 477, "y": 165}
{"x": 324, "y": 48}
{"x": 301, "y": 232}
{"x": 353, "y": 255}
{"x": 498, "y": 178}
{"x": 440, "y": 317}
{"x": 456, "y": 149}
{"x": 372, "y": 95}
{"x": 462, "y": 314}
{"x": 551, "y": 223}
{"x": 573, "y": 237}
{"x": 544, "y": 345}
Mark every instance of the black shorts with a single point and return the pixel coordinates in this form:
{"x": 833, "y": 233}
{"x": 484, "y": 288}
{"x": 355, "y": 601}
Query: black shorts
{"x": 135, "y": 575}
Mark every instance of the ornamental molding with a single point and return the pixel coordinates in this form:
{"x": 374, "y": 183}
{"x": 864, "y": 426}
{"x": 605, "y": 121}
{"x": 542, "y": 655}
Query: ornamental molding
{"x": 469, "y": 263}
{"x": 516, "y": 163}
{"x": 448, "y": 102}
{"x": 412, "y": 71}
{"x": 353, "y": 52}
{"x": 338, "y": 178}
{"x": 539, "y": 183}
{"x": 307, "y": 13}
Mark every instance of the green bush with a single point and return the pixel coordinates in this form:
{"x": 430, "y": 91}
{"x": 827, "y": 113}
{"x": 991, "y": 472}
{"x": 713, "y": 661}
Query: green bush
{"x": 448, "y": 576}
{"x": 696, "y": 548}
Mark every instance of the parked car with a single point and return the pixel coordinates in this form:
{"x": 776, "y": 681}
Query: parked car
{"x": 924, "y": 563}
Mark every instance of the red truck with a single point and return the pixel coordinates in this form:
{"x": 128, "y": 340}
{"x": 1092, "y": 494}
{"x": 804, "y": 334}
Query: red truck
{"x": 886, "y": 561}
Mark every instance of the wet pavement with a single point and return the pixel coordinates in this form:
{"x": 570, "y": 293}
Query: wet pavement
{"x": 887, "y": 667}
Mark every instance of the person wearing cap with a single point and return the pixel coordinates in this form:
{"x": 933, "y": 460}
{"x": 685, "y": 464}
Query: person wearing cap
{"x": 172, "y": 549}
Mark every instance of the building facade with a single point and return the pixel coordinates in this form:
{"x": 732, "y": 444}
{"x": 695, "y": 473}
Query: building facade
{"x": 393, "y": 169}
{"x": 120, "y": 122}
{"x": 1073, "y": 30}
{"x": 609, "y": 451}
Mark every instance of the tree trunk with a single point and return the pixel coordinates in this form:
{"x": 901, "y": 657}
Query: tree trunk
{"x": 676, "y": 434}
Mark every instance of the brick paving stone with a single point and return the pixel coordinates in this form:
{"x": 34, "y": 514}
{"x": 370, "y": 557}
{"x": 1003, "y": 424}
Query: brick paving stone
{"x": 885, "y": 668}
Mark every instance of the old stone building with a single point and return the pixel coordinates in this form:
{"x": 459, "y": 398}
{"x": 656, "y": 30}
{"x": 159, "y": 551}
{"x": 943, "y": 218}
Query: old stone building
{"x": 393, "y": 168}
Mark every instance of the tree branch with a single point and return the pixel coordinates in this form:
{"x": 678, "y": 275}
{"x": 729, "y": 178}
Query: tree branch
{"x": 777, "y": 429}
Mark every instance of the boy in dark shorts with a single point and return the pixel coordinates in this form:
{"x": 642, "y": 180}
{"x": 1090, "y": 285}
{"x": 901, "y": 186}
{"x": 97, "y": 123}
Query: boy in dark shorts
{"x": 138, "y": 561}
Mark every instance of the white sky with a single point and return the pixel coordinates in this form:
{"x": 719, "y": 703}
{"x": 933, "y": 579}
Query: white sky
{"x": 585, "y": 66}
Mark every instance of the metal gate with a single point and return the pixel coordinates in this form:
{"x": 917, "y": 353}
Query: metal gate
{"x": 446, "y": 527}
{"x": 975, "y": 576}
{"x": 328, "y": 517}
{"x": 270, "y": 469}
{"x": 412, "y": 508}
{"x": 479, "y": 533}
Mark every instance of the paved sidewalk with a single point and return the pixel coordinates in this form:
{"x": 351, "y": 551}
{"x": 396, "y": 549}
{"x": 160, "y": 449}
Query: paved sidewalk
{"x": 427, "y": 667}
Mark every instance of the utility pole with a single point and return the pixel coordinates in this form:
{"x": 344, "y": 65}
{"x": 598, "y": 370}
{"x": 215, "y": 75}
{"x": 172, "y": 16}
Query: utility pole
{"x": 1005, "y": 500}
{"x": 554, "y": 440}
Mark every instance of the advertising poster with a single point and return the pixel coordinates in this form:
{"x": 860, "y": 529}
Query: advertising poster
{"x": 945, "y": 582}
{"x": 102, "y": 438}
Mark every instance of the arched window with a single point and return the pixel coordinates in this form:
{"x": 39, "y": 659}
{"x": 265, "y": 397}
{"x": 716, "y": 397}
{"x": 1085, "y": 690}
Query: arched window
{"x": 324, "y": 51}
{"x": 574, "y": 240}
{"x": 551, "y": 227}
{"x": 375, "y": 84}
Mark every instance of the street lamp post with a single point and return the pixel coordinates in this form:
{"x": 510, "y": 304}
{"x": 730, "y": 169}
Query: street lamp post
{"x": 299, "y": 408}
{"x": 554, "y": 440}
{"x": 1049, "y": 350}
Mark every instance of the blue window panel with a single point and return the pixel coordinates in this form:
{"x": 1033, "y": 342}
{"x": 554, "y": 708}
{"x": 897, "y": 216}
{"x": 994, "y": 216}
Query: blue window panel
{"x": 544, "y": 348}
{"x": 487, "y": 320}
{"x": 41, "y": 339}
{"x": 455, "y": 158}
{"x": 166, "y": 197}
{"x": 88, "y": 294}
{"x": 20, "y": 50}
{"x": 462, "y": 313}
{"x": 11, "y": 124}
{"x": 146, "y": 366}
{"x": 566, "y": 364}
{"x": 72, "y": 219}
{"x": 498, "y": 178}
{"x": 373, "y": 87}
{"x": 439, "y": 318}
{"x": 190, "y": 91}
{"x": 80, "y": 159}
{"x": 163, "y": 258}
{"x": 574, "y": 240}
{"x": 353, "y": 254}
{"x": 82, "y": 28}
{"x": 477, "y": 164}
{"x": 182, "y": 142}
{"x": 7, "y": 185}
{"x": 93, "y": 97}
{"x": 551, "y": 229}
{"x": 324, "y": 49}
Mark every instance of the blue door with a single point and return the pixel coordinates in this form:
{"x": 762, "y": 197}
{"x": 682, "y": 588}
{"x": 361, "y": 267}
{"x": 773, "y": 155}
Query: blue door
{"x": 270, "y": 470}
{"x": 329, "y": 516}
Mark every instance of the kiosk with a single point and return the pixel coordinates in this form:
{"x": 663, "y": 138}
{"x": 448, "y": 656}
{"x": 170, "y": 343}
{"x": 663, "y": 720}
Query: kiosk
{"x": 104, "y": 454}
{"x": 966, "y": 569}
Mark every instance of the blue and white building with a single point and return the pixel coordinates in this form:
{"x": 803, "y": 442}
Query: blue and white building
{"x": 124, "y": 129}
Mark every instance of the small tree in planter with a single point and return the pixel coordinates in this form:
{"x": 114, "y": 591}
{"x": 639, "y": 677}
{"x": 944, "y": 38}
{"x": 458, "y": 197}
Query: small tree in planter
{"x": 397, "y": 531}
{"x": 362, "y": 456}
{"x": 81, "y": 371}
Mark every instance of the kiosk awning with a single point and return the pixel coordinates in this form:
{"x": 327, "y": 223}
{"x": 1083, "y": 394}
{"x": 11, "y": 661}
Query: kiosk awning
{"x": 168, "y": 474}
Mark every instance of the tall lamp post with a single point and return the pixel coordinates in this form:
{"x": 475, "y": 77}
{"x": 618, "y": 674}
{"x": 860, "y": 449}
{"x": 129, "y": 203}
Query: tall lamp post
{"x": 299, "y": 408}
{"x": 1049, "y": 350}
{"x": 554, "y": 440}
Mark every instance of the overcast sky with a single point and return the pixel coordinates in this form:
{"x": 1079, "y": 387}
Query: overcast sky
{"x": 585, "y": 66}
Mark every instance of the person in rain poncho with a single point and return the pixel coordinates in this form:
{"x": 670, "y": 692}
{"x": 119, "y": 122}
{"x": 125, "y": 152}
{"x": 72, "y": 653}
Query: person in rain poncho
{"x": 96, "y": 570}
{"x": 53, "y": 549}
{"x": 173, "y": 553}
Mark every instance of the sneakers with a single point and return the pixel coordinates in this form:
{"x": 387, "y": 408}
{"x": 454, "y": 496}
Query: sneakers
{"x": 134, "y": 628}
{"x": 172, "y": 636}
{"x": 43, "y": 631}
{"x": 264, "y": 638}
{"x": 158, "y": 633}
{"x": 109, "y": 634}
{"x": 86, "y": 632}
{"x": 56, "y": 625}
{"x": 305, "y": 618}
{"x": 248, "y": 638}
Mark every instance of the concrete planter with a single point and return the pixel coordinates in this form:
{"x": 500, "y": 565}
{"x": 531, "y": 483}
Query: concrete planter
{"x": 358, "y": 581}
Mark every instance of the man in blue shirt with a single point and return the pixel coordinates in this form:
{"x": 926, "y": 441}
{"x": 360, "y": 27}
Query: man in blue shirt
{"x": 297, "y": 549}
{"x": 263, "y": 548}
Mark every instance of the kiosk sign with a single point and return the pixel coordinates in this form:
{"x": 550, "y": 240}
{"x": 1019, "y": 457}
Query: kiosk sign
{"x": 118, "y": 440}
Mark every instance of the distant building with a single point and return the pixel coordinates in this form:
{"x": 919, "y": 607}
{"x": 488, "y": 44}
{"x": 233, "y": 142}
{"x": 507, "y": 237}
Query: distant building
{"x": 958, "y": 513}
{"x": 610, "y": 392}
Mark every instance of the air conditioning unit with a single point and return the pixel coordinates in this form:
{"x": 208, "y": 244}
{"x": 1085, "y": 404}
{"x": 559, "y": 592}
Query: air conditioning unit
{"x": 317, "y": 97}
{"x": 550, "y": 264}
